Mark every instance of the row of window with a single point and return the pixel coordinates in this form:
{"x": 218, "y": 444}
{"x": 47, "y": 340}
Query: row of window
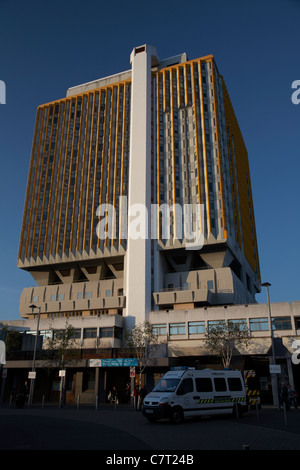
{"x": 198, "y": 327}
{"x": 79, "y": 295}
{"x": 77, "y": 333}
{"x": 206, "y": 385}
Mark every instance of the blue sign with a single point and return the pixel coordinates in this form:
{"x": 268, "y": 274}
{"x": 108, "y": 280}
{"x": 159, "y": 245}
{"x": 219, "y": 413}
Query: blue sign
{"x": 121, "y": 362}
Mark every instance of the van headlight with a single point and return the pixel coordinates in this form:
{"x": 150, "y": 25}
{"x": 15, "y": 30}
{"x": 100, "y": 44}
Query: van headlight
{"x": 163, "y": 401}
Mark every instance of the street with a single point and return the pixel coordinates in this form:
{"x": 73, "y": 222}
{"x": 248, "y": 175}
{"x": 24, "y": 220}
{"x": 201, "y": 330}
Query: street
{"x": 121, "y": 429}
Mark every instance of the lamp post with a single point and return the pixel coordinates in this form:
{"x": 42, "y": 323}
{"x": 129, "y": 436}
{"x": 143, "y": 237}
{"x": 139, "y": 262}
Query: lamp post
{"x": 274, "y": 382}
{"x": 34, "y": 354}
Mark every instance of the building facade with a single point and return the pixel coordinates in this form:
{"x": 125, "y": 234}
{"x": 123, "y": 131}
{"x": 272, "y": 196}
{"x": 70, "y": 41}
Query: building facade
{"x": 139, "y": 195}
{"x": 139, "y": 207}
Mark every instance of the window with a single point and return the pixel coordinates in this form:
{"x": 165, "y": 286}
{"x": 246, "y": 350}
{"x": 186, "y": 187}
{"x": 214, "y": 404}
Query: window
{"x": 35, "y": 298}
{"x": 259, "y": 324}
{"x": 107, "y": 332}
{"x": 76, "y": 333}
{"x": 111, "y": 332}
{"x": 88, "y": 295}
{"x": 210, "y": 285}
{"x": 204, "y": 384}
{"x": 52, "y": 298}
{"x": 186, "y": 386}
{"x": 47, "y": 334}
{"x": 196, "y": 327}
{"x": 79, "y": 295}
{"x": 177, "y": 328}
{"x": 58, "y": 334}
{"x": 242, "y": 323}
{"x": 90, "y": 333}
{"x": 107, "y": 293}
{"x": 217, "y": 324}
{"x": 281, "y": 323}
{"x": 220, "y": 384}
{"x": 60, "y": 296}
{"x": 159, "y": 330}
{"x": 235, "y": 384}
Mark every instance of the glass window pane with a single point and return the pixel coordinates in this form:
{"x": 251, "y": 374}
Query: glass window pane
{"x": 235, "y": 384}
{"x": 196, "y": 327}
{"x": 281, "y": 323}
{"x": 259, "y": 324}
{"x": 204, "y": 384}
{"x": 177, "y": 328}
{"x": 220, "y": 384}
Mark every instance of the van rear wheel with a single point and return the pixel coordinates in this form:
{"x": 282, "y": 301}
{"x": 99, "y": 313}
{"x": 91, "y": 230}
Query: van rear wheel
{"x": 177, "y": 416}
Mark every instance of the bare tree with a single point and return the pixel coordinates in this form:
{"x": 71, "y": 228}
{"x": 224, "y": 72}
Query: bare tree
{"x": 142, "y": 343}
{"x": 224, "y": 338}
{"x": 64, "y": 351}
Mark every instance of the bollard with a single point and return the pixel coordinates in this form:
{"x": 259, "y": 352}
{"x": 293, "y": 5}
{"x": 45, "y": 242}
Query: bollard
{"x": 257, "y": 414}
{"x": 285, "y": 415}
{"x": 78, "y": 402}
{"x": 96, "y": 405}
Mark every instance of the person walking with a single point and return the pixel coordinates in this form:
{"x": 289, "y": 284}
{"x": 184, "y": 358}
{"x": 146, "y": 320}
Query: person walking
{"x": 113, "y": 396}
{"x": 292, "y": 397}
{"x": 283, "y": 395}
{"x": 127, "y": 393}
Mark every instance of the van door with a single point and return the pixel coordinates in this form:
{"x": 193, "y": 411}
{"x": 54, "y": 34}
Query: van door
{"x": 184, "y": 395}
{"x": 222, "y": 397}
{"x": 204, "y": 396}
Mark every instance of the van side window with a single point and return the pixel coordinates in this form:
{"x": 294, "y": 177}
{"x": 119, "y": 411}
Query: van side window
{"x": 186, "y": 386}
{"x": 220, "y": 384}
{"x": 235, "y": 384}
{"x": 204, "y": 384}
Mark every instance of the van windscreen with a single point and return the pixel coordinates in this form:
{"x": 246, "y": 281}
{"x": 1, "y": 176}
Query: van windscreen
{"x": 166, "y": 385}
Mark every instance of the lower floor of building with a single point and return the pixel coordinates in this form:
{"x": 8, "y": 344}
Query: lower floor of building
{"x": 88, "y": 385}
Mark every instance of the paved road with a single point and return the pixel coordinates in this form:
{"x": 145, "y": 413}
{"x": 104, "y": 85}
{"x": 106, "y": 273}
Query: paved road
{"x": 51, "y": 428}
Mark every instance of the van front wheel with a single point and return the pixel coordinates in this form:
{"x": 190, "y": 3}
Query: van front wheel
{"x": 177, "y": 416}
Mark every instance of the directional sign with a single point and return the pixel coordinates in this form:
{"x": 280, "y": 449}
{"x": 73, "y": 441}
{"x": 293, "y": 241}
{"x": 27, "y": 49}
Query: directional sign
{"x": 120, "y": 362}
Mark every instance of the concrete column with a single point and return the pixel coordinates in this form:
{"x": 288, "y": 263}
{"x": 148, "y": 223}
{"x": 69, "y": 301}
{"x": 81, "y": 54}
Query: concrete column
{"x": 138, "y": 256}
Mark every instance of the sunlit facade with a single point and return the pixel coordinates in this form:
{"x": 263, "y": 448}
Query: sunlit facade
{"x": 162, "y": 134}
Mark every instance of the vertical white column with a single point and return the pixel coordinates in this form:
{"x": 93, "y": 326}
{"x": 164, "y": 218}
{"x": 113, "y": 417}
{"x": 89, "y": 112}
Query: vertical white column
{"x": 138, "y": 255}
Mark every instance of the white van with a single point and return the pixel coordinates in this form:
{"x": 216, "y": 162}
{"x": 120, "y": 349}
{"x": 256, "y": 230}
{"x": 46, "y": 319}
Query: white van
{"x": 190, "y": 392}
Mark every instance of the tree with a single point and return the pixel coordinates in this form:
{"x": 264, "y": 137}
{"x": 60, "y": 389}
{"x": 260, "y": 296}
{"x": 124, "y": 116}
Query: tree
{"x": 64, "y": 351}
{"x": 141, "y": 343}
{"x": 11, "y": 337}
{"x": 224, "y": 337}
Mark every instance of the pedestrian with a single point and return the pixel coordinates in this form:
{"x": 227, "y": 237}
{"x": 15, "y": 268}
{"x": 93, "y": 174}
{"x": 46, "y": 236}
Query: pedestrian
{"x": 143, "y": 393}
{"x": 113, "y": 396}
{"x": 127, "y": 393}
{"x": 292, "y": 397}
{"x": 283, "y": 396}
{"x": 135, "y": 395}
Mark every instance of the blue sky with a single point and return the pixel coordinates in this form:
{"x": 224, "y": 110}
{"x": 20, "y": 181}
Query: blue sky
{"x": 46, "y": 47}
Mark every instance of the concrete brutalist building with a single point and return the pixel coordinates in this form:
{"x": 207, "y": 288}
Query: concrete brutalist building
{"x": 139, "y": 207}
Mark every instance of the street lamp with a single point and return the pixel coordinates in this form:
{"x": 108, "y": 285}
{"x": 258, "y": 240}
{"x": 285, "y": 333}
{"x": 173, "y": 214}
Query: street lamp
{"x": 34, "y": 353}
{"x": 275, "y": 384}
